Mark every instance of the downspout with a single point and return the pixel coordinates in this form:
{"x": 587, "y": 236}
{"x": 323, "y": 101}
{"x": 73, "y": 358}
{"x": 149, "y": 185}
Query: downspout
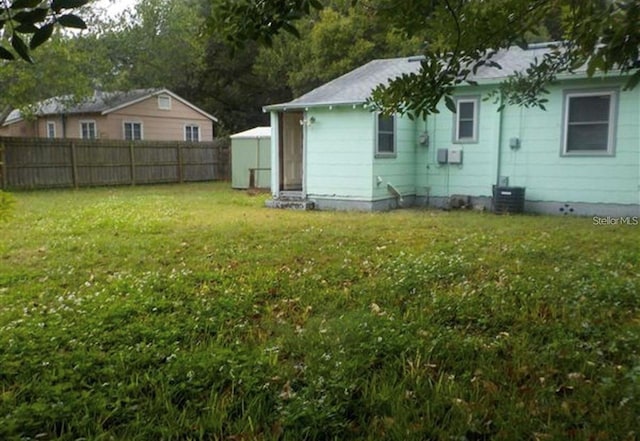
{"x": 64, "y": 126}
{"x": 305, "y": 137}
{"x": 431, "y": 148}
{"x": 500, "y": 124}
{"x": 426, "y": 156}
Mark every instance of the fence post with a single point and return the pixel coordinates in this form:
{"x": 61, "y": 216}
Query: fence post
{"x": 132, "y": 160}
{"x": 180, "y": 165}
{"x": 74, "y": 165}
{"x": 3, "y": 166}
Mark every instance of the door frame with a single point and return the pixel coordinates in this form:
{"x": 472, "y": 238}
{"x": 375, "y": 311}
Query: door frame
{"x": 281, "y": 153}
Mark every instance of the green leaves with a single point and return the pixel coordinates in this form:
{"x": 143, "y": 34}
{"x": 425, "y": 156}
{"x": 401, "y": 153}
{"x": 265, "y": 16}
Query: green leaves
{"x": 244, "y": 20}
{"x": 41, "y": 35}
{"x": 72, "y": 21}
{"x": 20, "y": 47}
{"x": 58, "y": 5}
{"x": 22, "y": 4}
{"x": 6, "y": 55}
{"x": 30, "y": 17}
{"x": 464, "y": 35}
{"x": 451, "y": 105}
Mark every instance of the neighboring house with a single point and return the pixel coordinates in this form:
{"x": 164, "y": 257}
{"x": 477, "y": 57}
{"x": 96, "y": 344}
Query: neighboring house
{"x": 143, "y": 114}
{"x": 580, "y": 156}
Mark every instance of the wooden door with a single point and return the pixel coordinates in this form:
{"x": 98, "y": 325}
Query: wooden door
{"x": 291, "y": 143}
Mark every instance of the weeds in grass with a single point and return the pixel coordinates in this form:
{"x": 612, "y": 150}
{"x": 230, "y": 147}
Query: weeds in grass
{"x": 192, "y": 312}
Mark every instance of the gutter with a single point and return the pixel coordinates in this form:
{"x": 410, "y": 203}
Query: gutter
{"x": 500, "y": 124}
{"x": 295, "y": 106}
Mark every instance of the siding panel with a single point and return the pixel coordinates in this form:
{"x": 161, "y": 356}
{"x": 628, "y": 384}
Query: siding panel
{"x": 339, "y": 153}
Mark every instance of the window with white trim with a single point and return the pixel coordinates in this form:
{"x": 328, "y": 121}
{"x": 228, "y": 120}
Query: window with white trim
{"x": 88, "y": 129}
{"x": 164, "y": 102}
{"x": 51, "y": 129}
{"x": 192, "y": 132}
{"x": 385, "y": 135}
{"x": 132, "y": 131}
{"x": 466, "y": 120}
{"x": 589, "y": 121}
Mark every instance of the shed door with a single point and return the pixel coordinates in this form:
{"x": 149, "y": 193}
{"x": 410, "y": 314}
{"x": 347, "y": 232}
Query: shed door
{"x": 291, "y": 151}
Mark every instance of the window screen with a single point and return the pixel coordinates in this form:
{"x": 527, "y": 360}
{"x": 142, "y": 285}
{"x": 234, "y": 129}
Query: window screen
{"x": 386, "y": 135}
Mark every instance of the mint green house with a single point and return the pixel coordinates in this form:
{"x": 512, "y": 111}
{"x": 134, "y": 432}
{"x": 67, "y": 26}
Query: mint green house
{"x": 580, "y": 156}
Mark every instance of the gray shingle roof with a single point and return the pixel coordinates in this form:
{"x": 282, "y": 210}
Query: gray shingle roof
{"x": 356, "y": 86}
{"x": 99, "y": 102}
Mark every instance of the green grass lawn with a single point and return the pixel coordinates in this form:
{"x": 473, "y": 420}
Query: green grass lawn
{"x": 192, "y": 312}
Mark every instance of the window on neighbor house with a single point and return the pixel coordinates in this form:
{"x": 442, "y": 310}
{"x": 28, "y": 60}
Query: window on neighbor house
{"x": 386, "y": 135}
{"x": 164, "y": 102}
{"x": 51, "y": 129}
{"x": 132, "y": 131}
{"x": 466, "y": 120}
{"x": 589, "y": 122}
{"x": 191, "y": 133}
{"x": 88, "y": 129}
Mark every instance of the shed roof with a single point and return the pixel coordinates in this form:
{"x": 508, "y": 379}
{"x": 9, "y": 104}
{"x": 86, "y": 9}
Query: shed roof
{"x": 256, "y": 132}
{"x": 100, "y": 102}
{"x": 355, "y": 87}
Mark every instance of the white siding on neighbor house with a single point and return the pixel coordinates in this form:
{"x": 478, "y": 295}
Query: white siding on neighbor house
{"x": 339, "y": 153}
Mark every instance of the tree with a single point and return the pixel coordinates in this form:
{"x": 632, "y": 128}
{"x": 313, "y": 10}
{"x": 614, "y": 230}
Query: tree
{"x": 462, "y": 35}
{"x": 67, "y": 65}
{"x": 35, "y": 20}
{"x": 154, "y": 45}
{"x": 230, "y": 88}
{"x": 157, "y": 44}
{"x": 333, "y": 41}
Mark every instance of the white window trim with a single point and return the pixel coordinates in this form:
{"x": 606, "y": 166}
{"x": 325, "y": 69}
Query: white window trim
{"x": 89, "y": 121}
{"x": 192, "y": 125}
{"x": 613, "y": 105}
{"x": 51, "y": 124}
{"x": 378, "y": 153}
{"x": 161, "y": 99}
{"x": 124, "y": 130}
{"x": 456, "y": 120}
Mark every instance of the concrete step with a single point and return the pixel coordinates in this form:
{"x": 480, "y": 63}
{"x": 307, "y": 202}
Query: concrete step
{"x": 291, "y": 204}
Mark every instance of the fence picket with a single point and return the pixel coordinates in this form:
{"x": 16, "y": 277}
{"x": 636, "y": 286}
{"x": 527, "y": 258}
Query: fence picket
{"x": 28, "y": 163}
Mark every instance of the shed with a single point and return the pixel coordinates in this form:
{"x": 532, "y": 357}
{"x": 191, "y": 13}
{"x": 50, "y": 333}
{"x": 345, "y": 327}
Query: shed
{"x": 251, "y": 158}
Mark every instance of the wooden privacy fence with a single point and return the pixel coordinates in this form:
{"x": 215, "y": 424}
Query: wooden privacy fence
{"x": 28, "y": 163}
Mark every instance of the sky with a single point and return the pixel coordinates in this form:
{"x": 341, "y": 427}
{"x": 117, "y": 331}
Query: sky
{"x": 114, "y": 7}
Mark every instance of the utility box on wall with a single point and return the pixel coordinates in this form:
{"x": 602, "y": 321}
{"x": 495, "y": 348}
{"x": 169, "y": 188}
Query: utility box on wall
{"x": 442, "y": 156}
{"x": 251, "y": 158}
{"x": 455, "y": 155}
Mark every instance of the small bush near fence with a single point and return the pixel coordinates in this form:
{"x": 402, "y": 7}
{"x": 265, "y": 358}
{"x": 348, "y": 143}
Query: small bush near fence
{"x": 29, "y": 163}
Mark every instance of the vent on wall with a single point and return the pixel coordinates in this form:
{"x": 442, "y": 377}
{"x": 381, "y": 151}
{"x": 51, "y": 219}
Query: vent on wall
{"x": 164, "y": 102}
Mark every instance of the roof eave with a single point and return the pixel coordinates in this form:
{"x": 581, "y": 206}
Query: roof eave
{"x": 578, "y": 75}
{"x": 156, "y": 93}
{"x": 303, "y": 106}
